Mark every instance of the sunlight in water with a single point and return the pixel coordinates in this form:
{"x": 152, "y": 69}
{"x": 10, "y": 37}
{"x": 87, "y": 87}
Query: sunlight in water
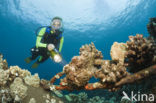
{"x": 79, "y": 15}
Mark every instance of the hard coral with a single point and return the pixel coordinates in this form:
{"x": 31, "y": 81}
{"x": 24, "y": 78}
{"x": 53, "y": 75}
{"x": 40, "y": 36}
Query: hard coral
{"x": 140, "y": 53}
{"x": 82, "y": 68}
{"x": 111, "y": 72}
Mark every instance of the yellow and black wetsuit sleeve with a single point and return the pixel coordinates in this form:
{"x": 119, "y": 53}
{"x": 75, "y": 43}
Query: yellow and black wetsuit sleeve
{"x": 39, "y": 38}
{"x": 61, "y": 44}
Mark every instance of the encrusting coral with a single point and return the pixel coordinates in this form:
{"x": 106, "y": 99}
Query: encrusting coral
{"x": 19, "y": 86}
{"x": 18, "y": 89}
{"x": 118, "y": 52}
{"x": 32, "y": 80}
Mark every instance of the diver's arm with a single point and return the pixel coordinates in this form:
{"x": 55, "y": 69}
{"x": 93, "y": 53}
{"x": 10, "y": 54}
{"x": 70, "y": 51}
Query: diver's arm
{"x": 61, "y": 44}
{"x": 39, "y": 38}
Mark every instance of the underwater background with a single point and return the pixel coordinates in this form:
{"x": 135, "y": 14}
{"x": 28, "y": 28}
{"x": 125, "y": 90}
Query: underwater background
{"x": 100, "y": 21}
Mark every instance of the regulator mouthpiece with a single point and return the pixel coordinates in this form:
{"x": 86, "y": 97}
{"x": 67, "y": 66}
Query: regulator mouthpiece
{"x": 57, "y": 58}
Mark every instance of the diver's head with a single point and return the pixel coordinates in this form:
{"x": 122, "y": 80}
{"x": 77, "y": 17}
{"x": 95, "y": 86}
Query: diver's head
{"x": 56, "y": 23}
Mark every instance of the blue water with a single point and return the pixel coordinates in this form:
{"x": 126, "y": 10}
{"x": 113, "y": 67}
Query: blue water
{"x": 85, "y": 21}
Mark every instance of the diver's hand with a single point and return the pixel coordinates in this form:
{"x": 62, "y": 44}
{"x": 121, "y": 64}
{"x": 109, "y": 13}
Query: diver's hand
{"x": 50, "y": 47}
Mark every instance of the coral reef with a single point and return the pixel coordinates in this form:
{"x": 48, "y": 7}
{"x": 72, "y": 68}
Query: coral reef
{"x": 19, "y": 86}
{"x": 138, "y": 55}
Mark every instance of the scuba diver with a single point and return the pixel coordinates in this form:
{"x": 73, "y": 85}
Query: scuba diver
{"x": 49, "y": 43}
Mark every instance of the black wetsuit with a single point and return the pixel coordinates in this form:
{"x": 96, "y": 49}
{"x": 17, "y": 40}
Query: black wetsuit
{"x": 48, "y": 38}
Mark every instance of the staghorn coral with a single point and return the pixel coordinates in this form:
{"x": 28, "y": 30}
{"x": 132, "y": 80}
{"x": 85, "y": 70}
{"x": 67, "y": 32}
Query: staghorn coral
{"x": 141, "y": 53}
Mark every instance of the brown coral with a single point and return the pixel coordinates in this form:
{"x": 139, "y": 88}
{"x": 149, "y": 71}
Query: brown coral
{"x": 90, "y": 64}
{"x": 82, "y": 68}
{"x": 140, "y": 53}
{"x": 111, "y": 72}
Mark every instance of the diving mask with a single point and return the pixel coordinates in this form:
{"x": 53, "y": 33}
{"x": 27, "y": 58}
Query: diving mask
{"x": 56, "y": 24}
